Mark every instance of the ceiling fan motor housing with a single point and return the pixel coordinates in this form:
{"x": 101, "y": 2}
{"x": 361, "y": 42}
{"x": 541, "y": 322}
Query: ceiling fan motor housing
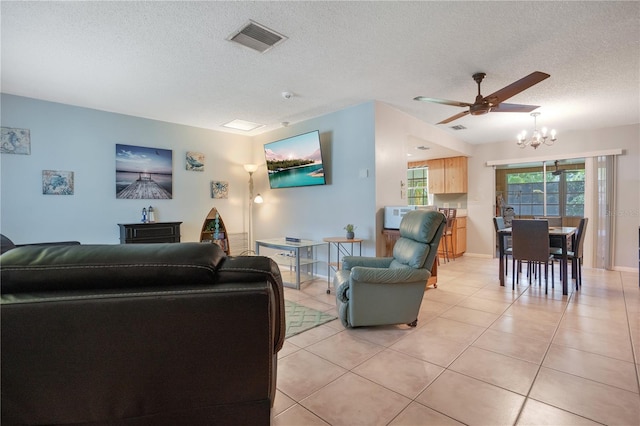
{"x": 480, "y": 109}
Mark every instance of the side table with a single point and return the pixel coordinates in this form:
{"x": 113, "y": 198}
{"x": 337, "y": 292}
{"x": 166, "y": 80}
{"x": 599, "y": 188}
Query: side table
{"x": 292, "y": 255}
{"x": 344, "y": 246}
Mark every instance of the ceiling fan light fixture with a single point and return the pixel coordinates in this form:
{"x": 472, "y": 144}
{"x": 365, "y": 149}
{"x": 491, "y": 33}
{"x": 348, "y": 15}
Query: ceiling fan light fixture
{"x": 537, "y": 137}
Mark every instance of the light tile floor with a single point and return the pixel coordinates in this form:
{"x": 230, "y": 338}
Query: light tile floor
{"x": 481, "y": 355}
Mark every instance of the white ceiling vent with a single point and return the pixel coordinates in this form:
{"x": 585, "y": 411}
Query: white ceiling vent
{"x": 257, "y": 37}
{"x": 458, "y": 127}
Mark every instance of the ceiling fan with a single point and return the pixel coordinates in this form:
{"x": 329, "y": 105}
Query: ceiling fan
{"x": 557, "y": 171}
{"x": 493, "y": 102}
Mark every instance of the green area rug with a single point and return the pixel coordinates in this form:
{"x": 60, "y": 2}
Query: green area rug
{"x": 300, "y": 318}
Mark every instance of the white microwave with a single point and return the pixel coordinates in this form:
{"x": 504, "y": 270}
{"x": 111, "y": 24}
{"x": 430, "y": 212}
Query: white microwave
{"x": 393, "y": 214}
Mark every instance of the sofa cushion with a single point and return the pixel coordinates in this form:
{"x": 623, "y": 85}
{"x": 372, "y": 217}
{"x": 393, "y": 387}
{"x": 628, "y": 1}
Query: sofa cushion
{"x": 47, "y": 268}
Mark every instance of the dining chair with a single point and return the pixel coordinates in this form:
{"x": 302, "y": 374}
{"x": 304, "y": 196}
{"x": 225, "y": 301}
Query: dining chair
{"x": 498, "y": 224}
{"x": 530, "y": 243}
{"x": 575, "y": 255}
{"x": 447, "y": 236}
{"x": 554, "y": 221}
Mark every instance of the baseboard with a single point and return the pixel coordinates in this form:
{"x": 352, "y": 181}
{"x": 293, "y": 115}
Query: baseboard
{"x": 478, "y": 255}
{"x": 626, "y": 269}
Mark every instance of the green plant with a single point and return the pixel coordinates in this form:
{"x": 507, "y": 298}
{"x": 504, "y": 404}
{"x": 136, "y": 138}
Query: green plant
{"x": 350, "y": 227}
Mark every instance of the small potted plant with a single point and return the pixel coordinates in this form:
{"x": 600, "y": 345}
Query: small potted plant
{"x": 350, "y": 228}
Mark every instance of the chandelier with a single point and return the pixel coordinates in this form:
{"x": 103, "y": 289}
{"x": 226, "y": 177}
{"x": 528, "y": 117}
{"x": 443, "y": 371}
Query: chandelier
{"x": 538, "y": 137}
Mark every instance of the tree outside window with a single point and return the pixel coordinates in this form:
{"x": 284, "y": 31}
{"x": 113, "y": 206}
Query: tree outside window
{"x": 565, "y": 193}
{"x": 417, "y": 186}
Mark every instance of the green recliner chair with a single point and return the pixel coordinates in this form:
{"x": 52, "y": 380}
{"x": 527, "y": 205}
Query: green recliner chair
{"x": 389, "y": 290}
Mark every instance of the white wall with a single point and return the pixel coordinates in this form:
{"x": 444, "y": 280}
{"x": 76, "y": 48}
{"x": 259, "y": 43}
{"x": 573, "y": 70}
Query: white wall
{"x": 393, "y": 129}
{"x": 482, "y": 185}
{"x": 367, "y": 139}
{"x": 83, "y": 140}
{"x": 347, "y": 139}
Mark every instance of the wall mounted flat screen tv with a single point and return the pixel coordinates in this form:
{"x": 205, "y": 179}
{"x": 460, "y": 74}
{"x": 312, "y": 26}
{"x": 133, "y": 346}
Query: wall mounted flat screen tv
{"x": 295, "y": 161}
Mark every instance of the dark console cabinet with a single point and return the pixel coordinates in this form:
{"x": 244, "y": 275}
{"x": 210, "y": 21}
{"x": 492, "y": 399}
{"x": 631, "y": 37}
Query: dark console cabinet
{"x": 159, "y": 232}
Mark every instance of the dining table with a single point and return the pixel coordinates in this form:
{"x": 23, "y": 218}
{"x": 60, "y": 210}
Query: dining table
{"x": 563, "y": 233}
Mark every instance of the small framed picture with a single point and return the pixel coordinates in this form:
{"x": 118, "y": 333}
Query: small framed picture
{"x": 219, "y": 189}
{"x": 15, "y": 141}
{"x": 195, "y": 161}
{"x": 57, "y": 182}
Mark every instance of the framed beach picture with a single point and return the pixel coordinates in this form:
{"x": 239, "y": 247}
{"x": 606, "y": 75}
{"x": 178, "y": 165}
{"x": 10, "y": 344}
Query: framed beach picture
{"x": 15, "y": 141}
{"x": 195, "y": 161}
{"x": 143, "y": 172}
{"x": 219, "y": 189}
{"x": 57, "y": 182}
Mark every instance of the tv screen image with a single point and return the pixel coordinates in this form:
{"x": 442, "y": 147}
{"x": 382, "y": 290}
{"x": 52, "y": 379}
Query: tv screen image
{"x": 295, "y": 161}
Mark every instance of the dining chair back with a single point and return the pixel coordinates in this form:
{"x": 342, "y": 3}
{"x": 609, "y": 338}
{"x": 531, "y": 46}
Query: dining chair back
{"x": 498, "y": 224}
{"x": 553, "y": 220}
{"x": 579, "y": 247}
{"x": 575, "y": 255}
{"x": 447, "y": 236}
{"x": 530, "y": 243}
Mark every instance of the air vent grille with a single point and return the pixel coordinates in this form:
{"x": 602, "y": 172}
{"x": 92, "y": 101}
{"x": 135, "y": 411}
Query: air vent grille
{"x": 458, "y": 127}
{"x": 257, "y": 37}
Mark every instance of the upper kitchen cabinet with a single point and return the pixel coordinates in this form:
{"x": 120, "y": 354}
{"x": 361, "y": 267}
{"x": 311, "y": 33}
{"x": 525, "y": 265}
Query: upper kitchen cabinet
{"x": 448, "y": 175}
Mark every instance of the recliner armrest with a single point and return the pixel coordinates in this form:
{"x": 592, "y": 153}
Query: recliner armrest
{"x": 370, "y": 262}
{"x": 383, "y": 276}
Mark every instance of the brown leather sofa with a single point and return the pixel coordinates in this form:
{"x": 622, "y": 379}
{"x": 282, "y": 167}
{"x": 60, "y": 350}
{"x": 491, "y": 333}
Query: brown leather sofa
{"x": 141, "y": 334}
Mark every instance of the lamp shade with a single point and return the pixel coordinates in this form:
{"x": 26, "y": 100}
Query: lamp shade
{"x": 251, "y": 167}
{"x": 258, "y": 199}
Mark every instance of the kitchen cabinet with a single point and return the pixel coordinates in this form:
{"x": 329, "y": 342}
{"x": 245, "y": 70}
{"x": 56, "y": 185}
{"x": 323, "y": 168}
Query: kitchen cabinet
{"x": 448, "y": 175}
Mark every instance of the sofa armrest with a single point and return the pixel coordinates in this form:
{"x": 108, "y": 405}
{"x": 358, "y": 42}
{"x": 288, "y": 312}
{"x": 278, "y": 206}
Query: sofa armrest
{"x": 253, "y": 269}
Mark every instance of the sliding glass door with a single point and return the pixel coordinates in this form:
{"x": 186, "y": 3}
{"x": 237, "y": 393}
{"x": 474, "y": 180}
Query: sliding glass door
{"x": 535, "y": 190}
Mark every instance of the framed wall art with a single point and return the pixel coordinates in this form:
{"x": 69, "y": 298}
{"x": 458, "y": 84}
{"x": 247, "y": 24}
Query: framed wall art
{"x": 15, "y": 141}
{"x": 143, "y": 172}
{"x": 219, "y": 189}
{"x": 57, "y": 182}
{"x": 195, "y": 161}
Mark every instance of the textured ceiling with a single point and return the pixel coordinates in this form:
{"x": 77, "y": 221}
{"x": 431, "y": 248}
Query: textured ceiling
{"x": 171, "y": 61}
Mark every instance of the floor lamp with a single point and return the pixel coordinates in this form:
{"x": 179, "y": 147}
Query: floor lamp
{"x": 250, "y": 168}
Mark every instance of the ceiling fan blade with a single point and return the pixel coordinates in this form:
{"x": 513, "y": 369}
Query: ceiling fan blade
{"x": 514, "y": 108}
{"x": 441, "y": 101}
{"x": 455, "y": 117}
{"x": 517, "y": 87}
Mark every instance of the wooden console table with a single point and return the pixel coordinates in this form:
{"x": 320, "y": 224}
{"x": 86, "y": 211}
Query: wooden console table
{"x": 157, "y": 232}
{"x": 390, "y": 238}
